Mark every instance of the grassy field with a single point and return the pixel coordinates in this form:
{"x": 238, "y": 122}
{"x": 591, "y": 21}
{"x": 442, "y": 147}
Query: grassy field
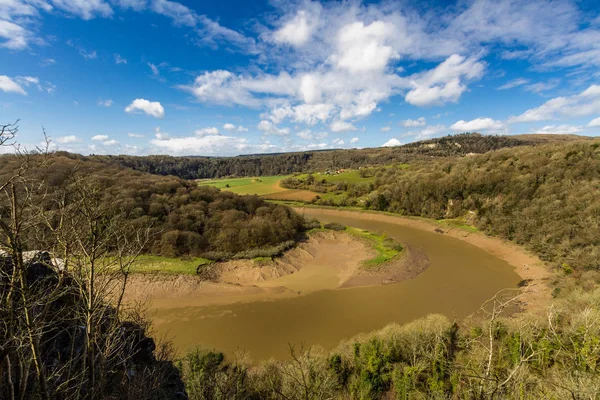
{"x": 149, "y": 264}
{"x": 259, "y": 186}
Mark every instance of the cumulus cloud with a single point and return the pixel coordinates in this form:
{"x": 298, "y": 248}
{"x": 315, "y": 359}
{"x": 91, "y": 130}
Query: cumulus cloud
{"x": 100, "y": 138}
{"x": 594, "y": 123}
{"x": 231, "y": 128}
{"x": 579, "y": 105}
{"x": 159, "y": 135}
{"x": 85, "y": 9}
{"x": 476, "y": 125}
{"x": 559, "y": 129}
{"x": 111, "y": 142}
{"x": 446, "y": 82}
{"x": 211, "y": 131}
{"x": 338, "y": 142}
{"x": 341, "y": 126}
{"x": 297, "y": 30}
{"x": 209, "y": 145}
{"x": 68, "y": 139}
{"x": 270, "y": 128}
{"x": 391, "y": 143}
{"x": 354, "y": 140}
{"x": 152, "y": 108}
{"x": 430, "y": 131}
{"x": 307, "y": 134}
{"x": 411, "y": 123}
{"x": 10, "y": 86}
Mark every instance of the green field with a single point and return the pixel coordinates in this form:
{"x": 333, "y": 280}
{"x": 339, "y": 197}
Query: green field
{"x": 259, "y": 186}
{"x": 149, "y": 264}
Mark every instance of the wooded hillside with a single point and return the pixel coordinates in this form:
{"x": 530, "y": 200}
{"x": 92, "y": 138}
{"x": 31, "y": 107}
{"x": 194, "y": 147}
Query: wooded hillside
{"x": 288, "y": 163}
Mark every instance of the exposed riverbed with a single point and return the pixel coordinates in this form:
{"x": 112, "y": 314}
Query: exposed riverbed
{"x": 266, "y": 318}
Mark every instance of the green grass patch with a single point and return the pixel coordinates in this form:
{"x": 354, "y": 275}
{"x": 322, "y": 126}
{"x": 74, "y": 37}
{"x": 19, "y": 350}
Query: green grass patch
{"x": 258, "y": 185}
{"x": 387, "y": 249}
{"x": 457, "y": 223}
{"x": 149, "y": 264}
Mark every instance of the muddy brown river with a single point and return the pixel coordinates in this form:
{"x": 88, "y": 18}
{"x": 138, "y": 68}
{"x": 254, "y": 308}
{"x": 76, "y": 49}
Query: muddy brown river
{"x": 459, "y": 279}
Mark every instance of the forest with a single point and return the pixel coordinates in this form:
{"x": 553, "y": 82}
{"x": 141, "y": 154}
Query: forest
{"x": 288, "y": 163}
{"x": 184, "y": 218}
{"x": 542, "y": 197}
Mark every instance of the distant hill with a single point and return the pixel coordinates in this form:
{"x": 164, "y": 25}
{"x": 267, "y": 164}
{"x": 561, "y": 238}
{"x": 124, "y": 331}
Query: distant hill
{"x": 200, "y": 167}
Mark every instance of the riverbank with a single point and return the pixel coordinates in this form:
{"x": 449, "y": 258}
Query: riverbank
{"x": 328, "y": 259}
{"x": 537, "y": 293}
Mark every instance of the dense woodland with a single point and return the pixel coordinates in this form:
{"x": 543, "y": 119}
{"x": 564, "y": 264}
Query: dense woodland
{"x": 543, "y": 197}
{"x": 288, "y": 163}
{"x": 185, "y": 219}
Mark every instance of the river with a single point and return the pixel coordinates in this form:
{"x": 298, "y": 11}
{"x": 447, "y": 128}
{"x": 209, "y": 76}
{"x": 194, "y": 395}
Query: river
{"x": 459, "y": 279}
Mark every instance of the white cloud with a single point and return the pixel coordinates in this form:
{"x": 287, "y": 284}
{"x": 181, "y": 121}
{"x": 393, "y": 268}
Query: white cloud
{"x": 154, "y": 69}
{"x": 229, "y": 127}
{"x": 559, "y": 129}
{"x": 338, "y": 142}
{"x": 341, "y": 126}
{"x": 391, "y": 143}
{"x": 105, "y": 103}
{"x": 15, "y": 37}
{"x": 354, "y": 140}
{"x": 385, "y": 128}
{"x": 68, "y": 139}
{"x": 100, "y": 138}
{"x": 365, "y": 48}
{"x": 88, "y": 55}
{"x": 209, "y": 145}
{"x": 161, "y": 135}
{"x": 411, "y": 123}
{"x": 10, "y": 86}
{"x": 542, "y": 86}
{"x": 431, "y": 131}
{"x": 28, "y": 81}
{"x": 594, "y": 123}
{"x": 514, "y": 83}
{"x": 296, "y": 31}
{"x": 211, "y": 131}
{"x": 111, "y": 142}
{"x": 153, "y": 108}
{"x": 476, "y": 125}
{"x": 119, "y": 59}
{"x": 579, "y": 105}
{"x": 307, "y": 134}
{"x": 48, "y": 62}
{"x": 85, "y": 9}
{"x": 270, "y": 128}
{"x": 135, "y": 135}
{"x": 444, "y": 83}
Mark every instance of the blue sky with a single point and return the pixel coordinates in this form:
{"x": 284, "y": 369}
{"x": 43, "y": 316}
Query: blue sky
{"x": 239, "y": 77}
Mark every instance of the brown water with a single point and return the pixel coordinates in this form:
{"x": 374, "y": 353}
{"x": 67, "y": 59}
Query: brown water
{"x": 460, "y": 278}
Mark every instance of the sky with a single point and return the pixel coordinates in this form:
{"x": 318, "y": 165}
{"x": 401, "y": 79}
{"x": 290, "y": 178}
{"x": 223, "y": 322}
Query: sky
{"x": 221, "y": 78}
